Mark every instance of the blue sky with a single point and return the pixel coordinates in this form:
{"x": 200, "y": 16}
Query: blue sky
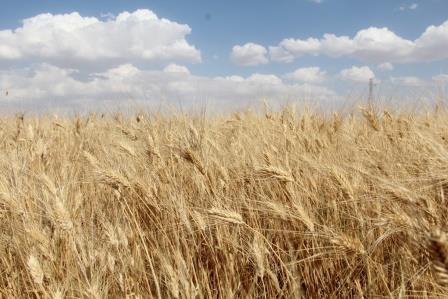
{"x": 231, "y": 39}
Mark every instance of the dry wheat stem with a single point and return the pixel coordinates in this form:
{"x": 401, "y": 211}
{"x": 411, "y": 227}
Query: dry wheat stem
{"x": 279, "y": 204}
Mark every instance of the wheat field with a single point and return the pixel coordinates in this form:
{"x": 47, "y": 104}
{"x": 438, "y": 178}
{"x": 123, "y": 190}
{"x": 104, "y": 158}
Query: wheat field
{"x": 281, "y": 204}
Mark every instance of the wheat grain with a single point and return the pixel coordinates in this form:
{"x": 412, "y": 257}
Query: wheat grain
{"x": 226, "y": 215}
{"x": 35, "y": 270}
{"x": 275, "y": 173}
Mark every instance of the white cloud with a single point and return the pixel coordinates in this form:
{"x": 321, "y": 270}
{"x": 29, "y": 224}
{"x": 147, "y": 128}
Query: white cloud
{"x": 317, "y": 1}
{"x": 235, "y": 78}
{"x": 298, "y": 47}
{"x": 432, "y": 44}
{"x": 372, "y": 44}
{"x": 410, "y": 81}
{"x": 412, "y": 6}
{"x": 264, "y": 79}
{"x": 44, "y": 85}
{"x": 357, "y": 74}
{"x": 386, "y": 66}
{"x": 174, "y": 68}
{"x": 376, "y": 45}
{"x": 140, "y": 35}
{"x": 279, "y": 54}
{"x": 39, "y": 81}
{"x": 307, "y": 75}
{"x": 249, "y": 54}
{"x": 335, "y": 46}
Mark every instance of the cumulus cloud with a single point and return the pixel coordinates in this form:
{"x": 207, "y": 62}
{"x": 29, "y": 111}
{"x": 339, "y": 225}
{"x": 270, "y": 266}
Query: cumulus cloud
{"x": 386, "y": 66}
{"x": 43, "y": 85}
{"x": 296, "y": 47}
{"x": 279, "y": 54}
{"x": 307, "y": 75}
{"x": 376, "y": 45}
{"x": 409, "y": 81}
{"x": 335, "y": 46}
{"x": 249, "y": 54}
{"x": 432, "y": 44}
{"x": 140, "y": 35}
{"x": 357, "y": 74}
{"x": 174, "y": 68}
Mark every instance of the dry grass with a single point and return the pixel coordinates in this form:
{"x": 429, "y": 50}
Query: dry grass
{"x": 295, "y": 205}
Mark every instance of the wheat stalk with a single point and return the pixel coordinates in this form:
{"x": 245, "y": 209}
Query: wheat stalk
{"x": 438, "y": 250}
